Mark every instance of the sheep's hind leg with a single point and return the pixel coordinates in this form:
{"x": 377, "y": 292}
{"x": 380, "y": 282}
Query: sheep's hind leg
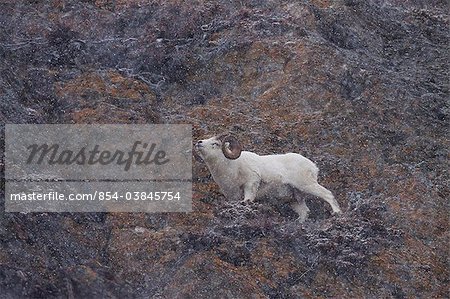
{"x": 300, "y": 207}
{"x": 325, "y": 194}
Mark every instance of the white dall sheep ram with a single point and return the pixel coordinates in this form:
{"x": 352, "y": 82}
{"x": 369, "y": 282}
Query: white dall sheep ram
{"x": 246, "y": 175}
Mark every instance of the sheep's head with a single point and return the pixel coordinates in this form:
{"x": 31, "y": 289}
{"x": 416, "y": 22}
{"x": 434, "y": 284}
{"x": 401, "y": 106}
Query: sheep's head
{"x": 215, "y": 147}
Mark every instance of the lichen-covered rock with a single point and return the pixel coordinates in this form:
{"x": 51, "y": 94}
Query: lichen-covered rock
{"x": 359, "y": 87}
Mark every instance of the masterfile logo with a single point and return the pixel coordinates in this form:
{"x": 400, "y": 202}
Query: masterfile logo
{"x": 54, "y": 155}
{"x": 92, "y": 168}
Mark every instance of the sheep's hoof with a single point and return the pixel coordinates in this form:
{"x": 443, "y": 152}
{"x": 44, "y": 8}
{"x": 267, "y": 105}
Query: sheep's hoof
{"x": 302, "y": 219}
{"x": 336, "y": 213}
{"x": 247, "y": 202}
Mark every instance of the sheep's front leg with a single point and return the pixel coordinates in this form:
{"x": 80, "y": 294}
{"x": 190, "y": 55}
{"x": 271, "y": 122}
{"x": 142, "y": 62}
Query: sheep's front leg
{"x": 250, "y": 190}
{"x": 300, "y": 206}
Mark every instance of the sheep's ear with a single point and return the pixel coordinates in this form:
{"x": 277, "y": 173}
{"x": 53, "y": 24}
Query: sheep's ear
{"x": 231, "y": 148}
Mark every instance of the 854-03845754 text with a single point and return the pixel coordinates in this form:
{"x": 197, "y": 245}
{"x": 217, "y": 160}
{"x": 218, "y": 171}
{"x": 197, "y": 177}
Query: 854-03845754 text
{"x": 98, "y": 195}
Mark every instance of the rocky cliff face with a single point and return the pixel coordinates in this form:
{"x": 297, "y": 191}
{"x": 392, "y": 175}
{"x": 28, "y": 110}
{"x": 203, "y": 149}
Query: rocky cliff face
{"x": 359, "y": 87}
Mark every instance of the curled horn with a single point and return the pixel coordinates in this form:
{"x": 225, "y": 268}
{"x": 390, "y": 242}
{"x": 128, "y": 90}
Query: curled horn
{"x": 231, "y": 147}
{"x": 222, "y": 136}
